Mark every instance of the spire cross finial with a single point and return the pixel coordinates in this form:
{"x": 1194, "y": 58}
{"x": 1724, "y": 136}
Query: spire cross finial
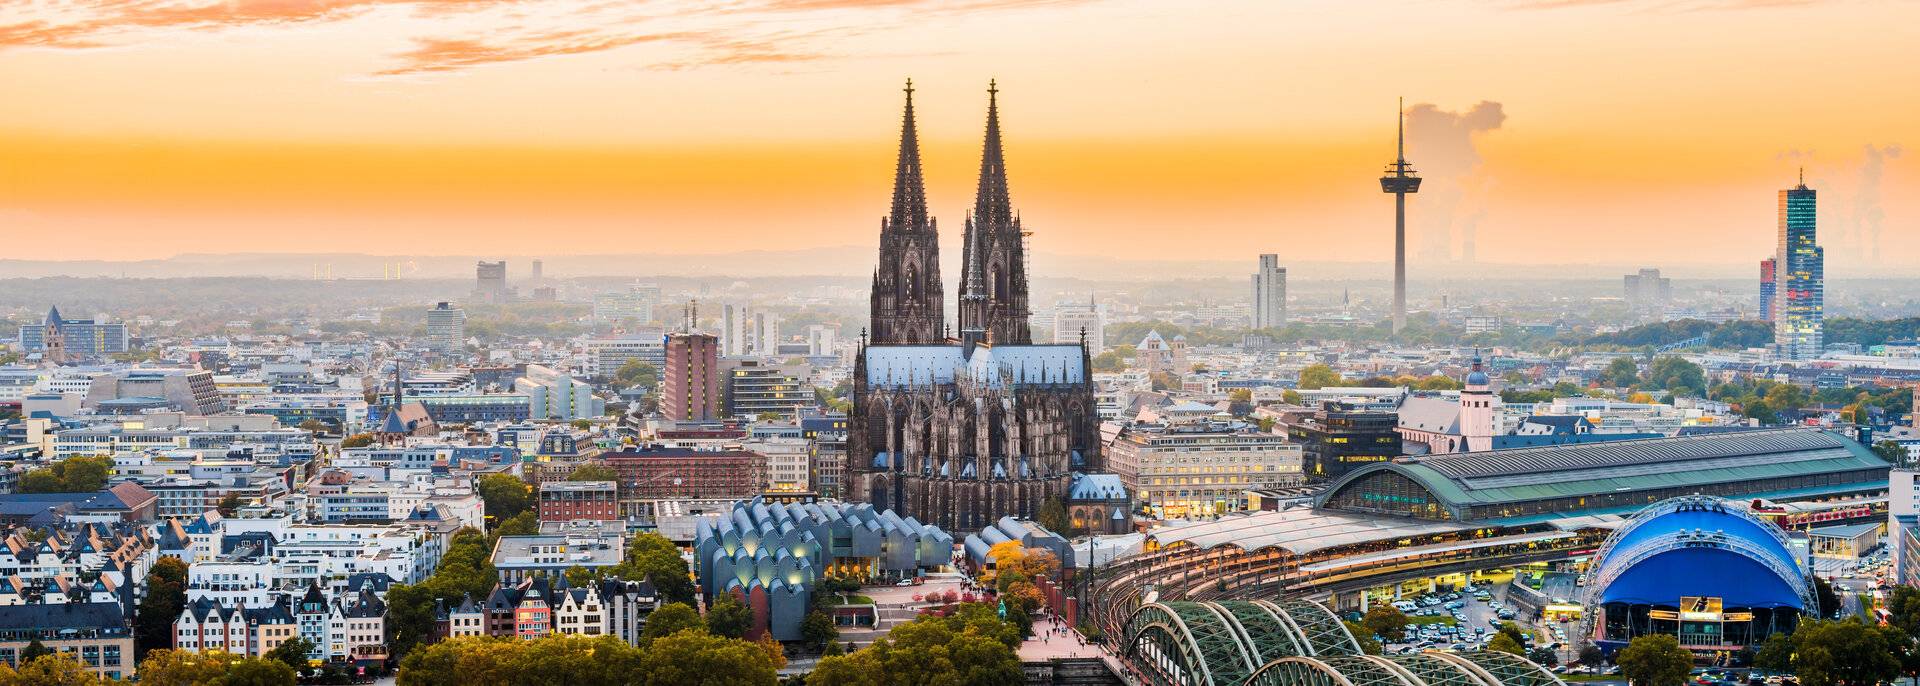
{"x": 909, "y": 88}
{"x": 992, "y": 88}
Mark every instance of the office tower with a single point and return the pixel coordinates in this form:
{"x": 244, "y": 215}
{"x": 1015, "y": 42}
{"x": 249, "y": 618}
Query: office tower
{"x": 1342, "y": 437}
{"x": 737, "y": 331}
{"x": 539, "y": 271}
{"x": 1071, "y": 319}
{"x": 690, "y": 384}
{"x": 821, "y": 339}
{"x": 755, "y": 388}
{"x": 1648, "y": 291}
{"x": 1400, "y": 180}
{"x": 767, "y": 326}
{"x": 490, "y": 283}
{"x": 446, "y": 329}
{"x": 1801, "y": 278}
{"x": 1270, "y": 294}
{"x": 1769, "y": 288}
{"x": 993, "y": 292}
{"x": 907, "y": 301}
{"x": 70, "y": 339}
{"x": 936, "y": 431}
{"x": 556, "y": 394}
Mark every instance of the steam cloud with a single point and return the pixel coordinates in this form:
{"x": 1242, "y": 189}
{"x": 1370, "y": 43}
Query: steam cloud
{"x": 1867, "y": 213}
{"x": 1442, "y": 146}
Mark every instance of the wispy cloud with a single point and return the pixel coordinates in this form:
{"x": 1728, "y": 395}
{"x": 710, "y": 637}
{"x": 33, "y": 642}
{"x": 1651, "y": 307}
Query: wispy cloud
{"x": 452, "y": 35}
{"x": 1659, "y": 6}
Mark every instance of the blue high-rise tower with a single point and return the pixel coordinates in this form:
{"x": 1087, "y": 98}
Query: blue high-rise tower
{"x": 1800, "y": 296}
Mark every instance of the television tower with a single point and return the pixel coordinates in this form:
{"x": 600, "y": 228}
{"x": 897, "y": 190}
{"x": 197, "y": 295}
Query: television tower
{"x": 1400, "y": 180}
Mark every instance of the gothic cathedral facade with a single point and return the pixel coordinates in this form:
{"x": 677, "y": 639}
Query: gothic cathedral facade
{"x": 959, "y": 431}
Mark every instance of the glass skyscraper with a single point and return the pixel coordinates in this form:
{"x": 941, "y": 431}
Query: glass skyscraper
{"x": 1801, "y": 278}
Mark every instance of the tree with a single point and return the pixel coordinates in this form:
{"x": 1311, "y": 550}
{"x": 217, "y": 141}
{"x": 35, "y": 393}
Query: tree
{"x": 33, "y": 650}
{"x": 1825, "y": 598}
{"x": 1591, "y": 655}
{"x": 1293, "y": 397}
{"x": 697, "y": 658}
{"x": 579, "y": 576}
{"x": 48, "y": 669}
{"x": 1053, "y": 516}
{"x": 1786, "y": 397}
{"x": 168, "y": 667}
{"x": 1775, "y": 654}
{"x": 1368, "y": 644}
{"x": 671, "y": 618}
{"x": 554, "y": 659}
{"x": 1655, "y": 660}
{"x": 1544, "y": 656}
{"x": 1386, "y": 622}
{"x": 1676, "y": 375}
{"x": 729, "y": 618}
{"x": 359, "y": 440}
{"x": 1846, "y": 651}
{"x": 1621, "y": 372}
{"x": 40, "y": 481}
{"x": 229, "y": 504}
{"x": 71, "y": 475}
{"x": 1903, "y": 607}
{"x": 817, "y": 631}
{"x": 654, "y": 558}
{"x": 504, "y": 496}
{"x": 523, "y": 524}
{"x": 254, "y": 671}
{"x": 775, "y": 654}
{"x": 291, "y": 652}
{"x": 859, "y": 668}
{"x": 166, "y": 598}
{"x": 970, "y": 646}
{"x": 1505, "y": 643}
{"x": 313, "y": 426}
{"x": 1318, "y": 376}
{"x": 637, "y": 373}
{"x": 1892, "y": 452}
{"x": 593, "y": 472}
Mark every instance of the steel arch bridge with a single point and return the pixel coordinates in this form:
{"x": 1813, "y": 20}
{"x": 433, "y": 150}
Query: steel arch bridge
{"x": 1292, "y": 643}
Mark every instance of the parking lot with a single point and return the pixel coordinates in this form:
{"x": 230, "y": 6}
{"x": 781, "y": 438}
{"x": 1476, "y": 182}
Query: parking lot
{"x": 1467, "y": 619}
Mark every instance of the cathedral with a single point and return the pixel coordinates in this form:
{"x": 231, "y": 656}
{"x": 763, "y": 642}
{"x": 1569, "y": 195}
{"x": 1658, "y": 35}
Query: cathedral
{"x": 959, "y": 431}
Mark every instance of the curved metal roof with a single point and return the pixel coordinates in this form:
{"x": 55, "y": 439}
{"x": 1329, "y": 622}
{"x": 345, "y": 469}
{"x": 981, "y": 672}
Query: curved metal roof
{"x": 1699, "y": 546}
{"x": 1300, "y": 531}
{"x": 1293, "y": 643}
{"x": 1464, "y": 480}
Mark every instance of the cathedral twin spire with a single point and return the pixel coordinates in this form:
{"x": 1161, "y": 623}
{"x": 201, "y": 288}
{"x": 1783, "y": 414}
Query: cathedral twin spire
{"x": 907, "y": 299}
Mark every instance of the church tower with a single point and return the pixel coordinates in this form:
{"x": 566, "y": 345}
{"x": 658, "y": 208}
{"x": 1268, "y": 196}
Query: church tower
{"x": 53, "y": 339}
{"x": 907, "y": 299}
{"x": 1477, "y": 402}
{"x": 993, "y": 294}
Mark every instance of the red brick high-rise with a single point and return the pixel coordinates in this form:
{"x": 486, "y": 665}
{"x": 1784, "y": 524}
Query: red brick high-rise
{"x": 690, "y": 385}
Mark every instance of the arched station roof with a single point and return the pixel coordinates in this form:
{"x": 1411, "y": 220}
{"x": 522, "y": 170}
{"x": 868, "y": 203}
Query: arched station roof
{"x": 1293, "y": 643}
{"x": 1459, "y": 481}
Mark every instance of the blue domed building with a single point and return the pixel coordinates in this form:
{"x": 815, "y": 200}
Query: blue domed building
{"x": 1700, "y": 568}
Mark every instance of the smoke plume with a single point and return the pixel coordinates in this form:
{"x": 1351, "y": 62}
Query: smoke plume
{"x": 1867, "y": 213}
{"x": 1442, "y": 146}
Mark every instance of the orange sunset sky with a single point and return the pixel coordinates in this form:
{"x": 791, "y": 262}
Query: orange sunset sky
{"x": 1569, "y": 131}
